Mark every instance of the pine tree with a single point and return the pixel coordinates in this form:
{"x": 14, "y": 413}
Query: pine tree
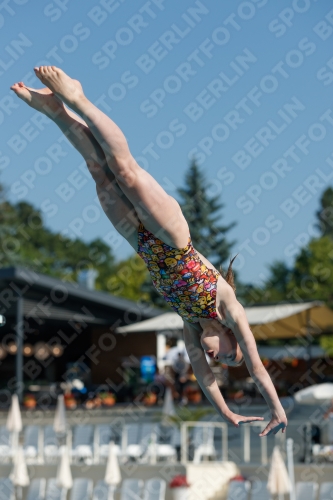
{"x": 325, "y": 213}
{"x": 274, "y": 289}
{"x": 203, "y": 214}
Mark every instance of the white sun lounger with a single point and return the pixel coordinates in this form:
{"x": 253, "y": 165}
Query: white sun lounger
{"x": 54, "y": 492}
{"x": 259, "y": 491}
{"x": 103, "y": 435}
{"x": 131, "y": 447}
{"x": 5, "y": 443}
{"x": 82, "y": 489}
{"x": 101, "y": 491}
{"x": 154, "y": 489}
{"x": 238, "y": 490}
{"x": 326, "y": 491}
{"x": 83, "y": 438}
{"x": 7, "y": 491}
{"x": 161, "y": 450}
{"x": 51, "y": 444}
{"x": 306, "y": 490}
{"x": 131, "y": 489}
{"x": 31, "y": 441}
{"x": 37, "y": 489}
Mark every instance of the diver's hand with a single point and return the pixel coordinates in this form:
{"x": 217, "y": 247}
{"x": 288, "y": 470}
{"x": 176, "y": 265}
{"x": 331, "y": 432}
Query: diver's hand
{"x": 236, "y": 420}
{"x": 278, "y": 421}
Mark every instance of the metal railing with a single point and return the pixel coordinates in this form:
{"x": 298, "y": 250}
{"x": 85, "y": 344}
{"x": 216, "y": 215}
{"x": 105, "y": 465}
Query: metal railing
{"x": 185, "y": 438}
{"x": 240, "y": 445}
{"x": 279, "y": 439}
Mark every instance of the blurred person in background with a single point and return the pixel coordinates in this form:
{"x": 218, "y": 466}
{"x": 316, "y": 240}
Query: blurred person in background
{"x": 180, "y": 368}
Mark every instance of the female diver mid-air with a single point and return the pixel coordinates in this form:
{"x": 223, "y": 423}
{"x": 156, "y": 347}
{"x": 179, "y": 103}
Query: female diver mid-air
{"x": 153, "y": 223}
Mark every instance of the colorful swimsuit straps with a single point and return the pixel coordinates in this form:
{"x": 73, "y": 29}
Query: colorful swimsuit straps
{"x": 185, "y": 282}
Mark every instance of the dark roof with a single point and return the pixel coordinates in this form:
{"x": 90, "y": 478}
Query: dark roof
{"x": 33, "y": 284}
{"x": 33, "y": 309}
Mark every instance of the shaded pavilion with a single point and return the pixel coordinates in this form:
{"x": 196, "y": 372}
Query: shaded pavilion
{"x": 52, "y": 324}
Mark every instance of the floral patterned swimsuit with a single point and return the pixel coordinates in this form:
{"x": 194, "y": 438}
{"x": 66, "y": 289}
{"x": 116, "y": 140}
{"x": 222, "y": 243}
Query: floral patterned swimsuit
{"x": 180, "y": 276}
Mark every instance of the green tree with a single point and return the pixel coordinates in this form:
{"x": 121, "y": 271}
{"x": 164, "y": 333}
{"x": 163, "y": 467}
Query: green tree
{"x": 325, "y": 213}
{"x": 312, "y": 276}
{"x": 313, "y": 279}
{"x": 203, "y": 214}
{"x": 326, "y": 343}
{"x": 128, "y": 278}
{"x": 274, "y": 288}
{"x": 26, "y": 241}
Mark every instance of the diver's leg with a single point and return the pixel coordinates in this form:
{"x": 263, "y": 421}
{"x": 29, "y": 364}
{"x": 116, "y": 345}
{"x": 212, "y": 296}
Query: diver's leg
{"x": 116, "y": 206}
{"x": 159, "y": 212}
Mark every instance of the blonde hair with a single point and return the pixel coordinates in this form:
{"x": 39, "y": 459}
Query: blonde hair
{"x": 229, "y": 275}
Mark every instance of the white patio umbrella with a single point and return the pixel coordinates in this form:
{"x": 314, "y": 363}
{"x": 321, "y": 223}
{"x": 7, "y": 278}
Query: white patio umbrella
{"x": 168, "y": 409}
{"x": 14, "y": 421}
{"x": 278, "y": 480}
{"x": 64, "y": 475}
{"x": 112, "y": 473}
{"x": 315, "y": 394}
{"x": 19, "y": 475}
{"x": 60, "y": 423}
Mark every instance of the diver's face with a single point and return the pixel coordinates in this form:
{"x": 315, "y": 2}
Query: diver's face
{"x": 220, "y": 344}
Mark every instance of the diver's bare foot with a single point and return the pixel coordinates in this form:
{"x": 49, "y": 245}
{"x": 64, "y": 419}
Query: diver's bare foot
{"x": 68, "y": 90}
{"x": 41, "y": 99}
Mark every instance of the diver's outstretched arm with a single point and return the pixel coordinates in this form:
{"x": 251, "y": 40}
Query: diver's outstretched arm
{"x": 206, "y": 378}
{"x": 236, "y": 320}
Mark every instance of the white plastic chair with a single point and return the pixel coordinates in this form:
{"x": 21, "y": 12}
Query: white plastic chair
{"x": 259, "y": 491}
{"x": 326, "y": 491}
{"x": 7, "y": 491}
{"x": 306, "y": 490}
{"x": 131, "y": 489}
{"x": 154, "y": 489}
{"x": 83, "y": 442}
{"x": 82, "y": 489}
{"x": 53, "y": 492}
{"x": 238, "y": 490}
{"x": 37, "y": 489}
{"x": 203, "y": 441}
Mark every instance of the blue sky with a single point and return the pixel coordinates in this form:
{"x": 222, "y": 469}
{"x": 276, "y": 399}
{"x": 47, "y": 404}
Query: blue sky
{"x": 246, "y": 87}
